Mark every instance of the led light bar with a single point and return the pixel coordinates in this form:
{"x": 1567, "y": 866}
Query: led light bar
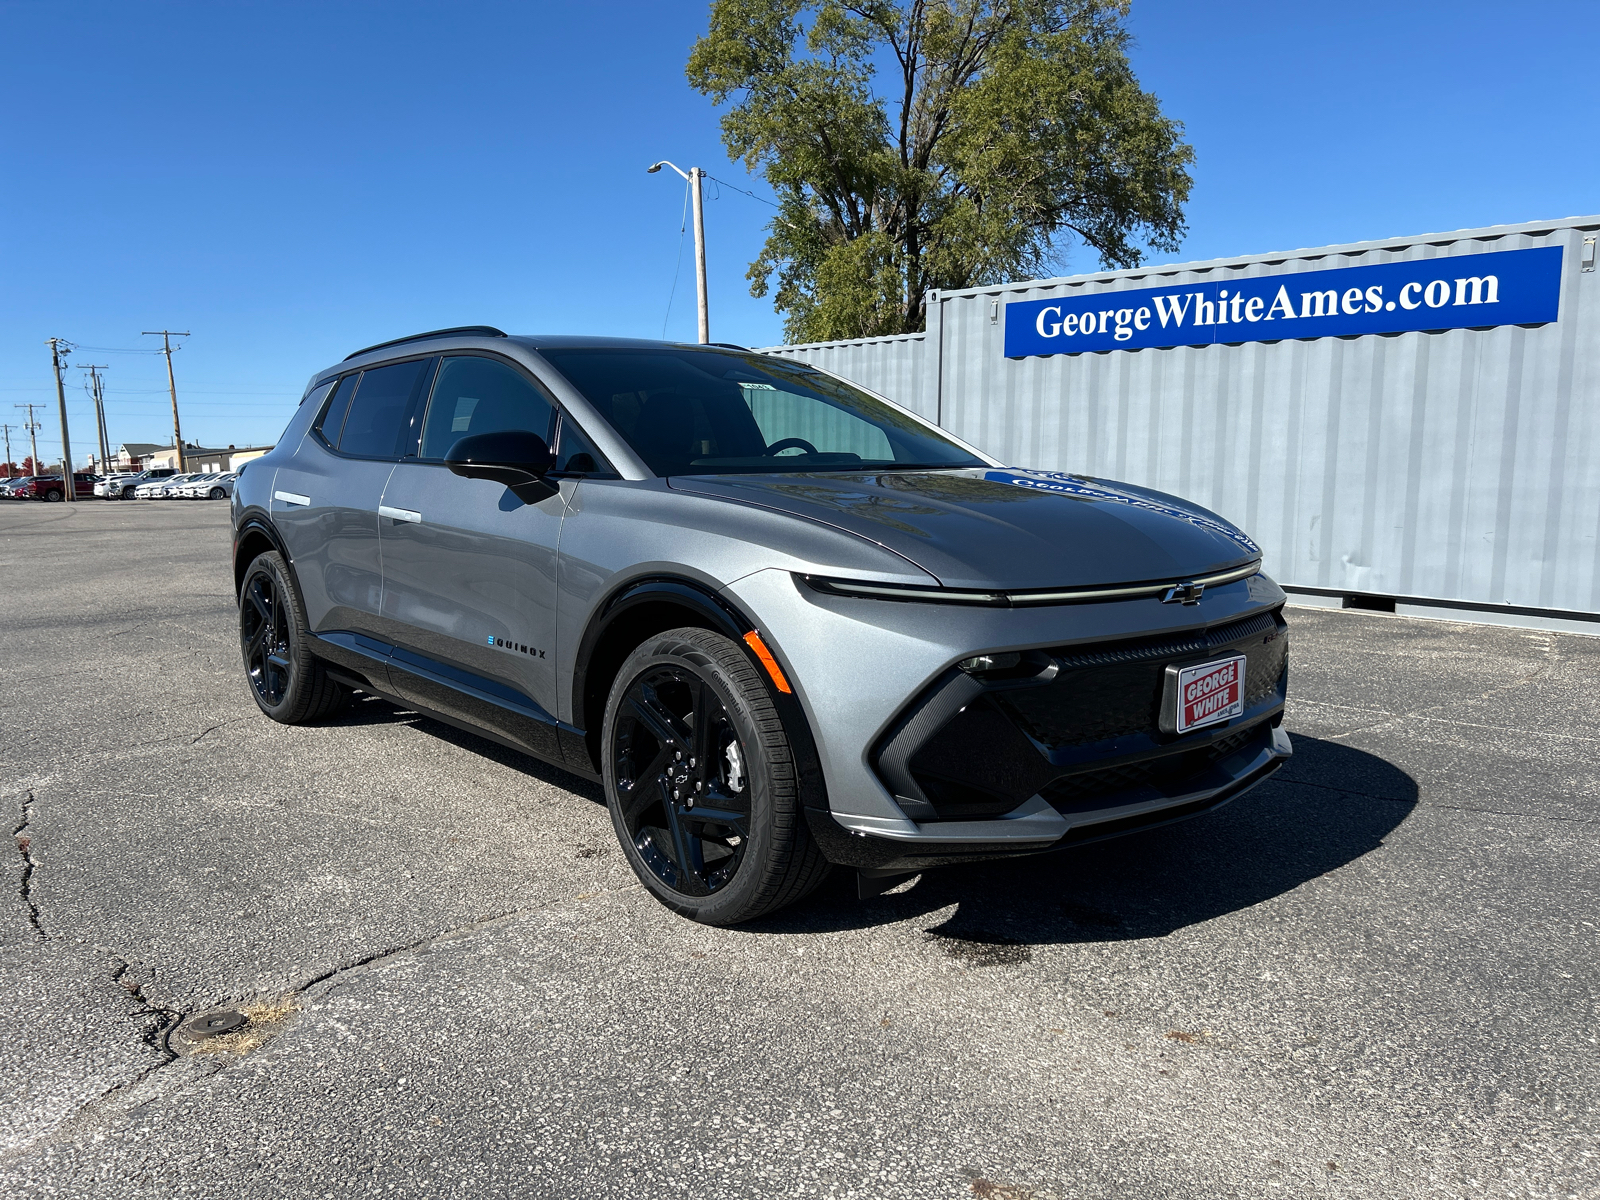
{"x": 935, "y": 595}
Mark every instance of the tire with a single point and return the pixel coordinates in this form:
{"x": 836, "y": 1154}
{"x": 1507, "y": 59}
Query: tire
{"x": 53, "y": 496}
{"x": 289, "y": 683}
{"x": 216, "y": 494}
{"x": 660, "y": 775}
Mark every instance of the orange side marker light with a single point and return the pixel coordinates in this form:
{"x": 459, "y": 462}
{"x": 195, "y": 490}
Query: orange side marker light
{"x": 753, "y": 640}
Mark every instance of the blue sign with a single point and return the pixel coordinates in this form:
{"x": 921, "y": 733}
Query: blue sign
{"x": 1511, "y": 287}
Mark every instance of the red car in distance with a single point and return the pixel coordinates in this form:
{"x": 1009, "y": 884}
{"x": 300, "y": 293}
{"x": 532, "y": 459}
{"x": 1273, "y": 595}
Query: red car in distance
{"x": 48, "y": 487}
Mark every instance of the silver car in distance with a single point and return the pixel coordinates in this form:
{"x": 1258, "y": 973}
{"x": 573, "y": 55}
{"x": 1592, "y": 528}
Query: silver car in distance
{"x": 785, "y": 622}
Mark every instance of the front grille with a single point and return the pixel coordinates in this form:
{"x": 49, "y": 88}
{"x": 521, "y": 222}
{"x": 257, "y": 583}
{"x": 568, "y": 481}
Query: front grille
{"x": 1113, "y": 691}
{"x": 1092, "y": 732}
{"x": 1089, "y": 790}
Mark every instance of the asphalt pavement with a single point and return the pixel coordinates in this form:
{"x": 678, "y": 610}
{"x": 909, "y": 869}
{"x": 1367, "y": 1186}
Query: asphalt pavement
{"x": 1374, "y": 976}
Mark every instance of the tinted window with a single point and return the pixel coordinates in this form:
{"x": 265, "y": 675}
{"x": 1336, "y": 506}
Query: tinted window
{"x": 575, "y": 453}
{"x": 332, "y": 419}
{"x": 378, "y": 411}
{"x": 481, "y": 395}
{"x": 719, "y": 412}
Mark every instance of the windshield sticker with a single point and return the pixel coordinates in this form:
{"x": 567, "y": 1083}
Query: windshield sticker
{"x": 1063, "y": 484}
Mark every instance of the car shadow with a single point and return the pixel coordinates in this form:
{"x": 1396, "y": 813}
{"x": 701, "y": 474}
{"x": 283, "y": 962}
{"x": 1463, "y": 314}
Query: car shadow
{"x": 1328, "y": 806}
{"x": 374, "y": 710}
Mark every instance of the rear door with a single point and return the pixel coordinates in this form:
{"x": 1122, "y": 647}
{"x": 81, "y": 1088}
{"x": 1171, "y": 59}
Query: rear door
{"x": 469, "y": 570}
{"x": 325, "y": 499}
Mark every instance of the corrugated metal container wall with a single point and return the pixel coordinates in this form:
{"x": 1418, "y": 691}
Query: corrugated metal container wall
{"x": 1461, "y": 465}
{"x": 890, "y": 366}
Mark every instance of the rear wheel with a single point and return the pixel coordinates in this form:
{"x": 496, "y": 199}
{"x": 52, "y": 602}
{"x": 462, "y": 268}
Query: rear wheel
{"x": 289, "y": 683}
{"x": 700, "y": 781}
{"x": 53, "y": 496}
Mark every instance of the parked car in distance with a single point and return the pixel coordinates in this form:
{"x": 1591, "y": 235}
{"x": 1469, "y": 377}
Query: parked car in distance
{"x": 213, "y": 487}
{"x": 48, "y": 487}
{"x": 158, "y": 489}
{"x": 123, "y": 488}
{"x": 10, "y": 486}
{"x": 103, "y": 488}
{"x": 784, "y": 623}
{"x": 188, "y": 489}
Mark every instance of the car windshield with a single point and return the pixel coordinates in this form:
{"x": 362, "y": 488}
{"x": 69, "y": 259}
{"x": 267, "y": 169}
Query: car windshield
{"x": 689, "y": 411}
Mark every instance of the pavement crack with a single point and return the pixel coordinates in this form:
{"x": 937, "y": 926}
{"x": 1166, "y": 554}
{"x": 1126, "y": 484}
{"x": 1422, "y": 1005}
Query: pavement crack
{"x": 378, "y": 958}
{"x": 24, "y": 841}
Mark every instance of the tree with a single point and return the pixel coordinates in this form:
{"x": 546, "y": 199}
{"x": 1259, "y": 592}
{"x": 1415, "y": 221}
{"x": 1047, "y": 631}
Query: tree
{"x": 1003, "y": 125}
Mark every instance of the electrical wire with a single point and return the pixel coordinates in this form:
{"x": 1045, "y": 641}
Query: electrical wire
{"x": 683, "y": 224}
{"x": 743, "y": 191}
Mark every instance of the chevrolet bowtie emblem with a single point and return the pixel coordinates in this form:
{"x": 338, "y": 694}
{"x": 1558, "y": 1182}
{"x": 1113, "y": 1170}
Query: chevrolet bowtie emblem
{"x": 1184, "y": 593}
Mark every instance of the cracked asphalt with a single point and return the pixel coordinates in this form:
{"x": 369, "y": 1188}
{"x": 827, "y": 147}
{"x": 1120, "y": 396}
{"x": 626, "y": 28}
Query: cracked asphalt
{"x": 1375, "y": 976}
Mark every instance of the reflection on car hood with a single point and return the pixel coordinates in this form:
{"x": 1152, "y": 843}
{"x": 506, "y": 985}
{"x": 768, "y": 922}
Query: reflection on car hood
{"x": 1004, "y": 528}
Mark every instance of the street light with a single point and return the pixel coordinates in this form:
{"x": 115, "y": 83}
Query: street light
{"x": 694, "y": 175}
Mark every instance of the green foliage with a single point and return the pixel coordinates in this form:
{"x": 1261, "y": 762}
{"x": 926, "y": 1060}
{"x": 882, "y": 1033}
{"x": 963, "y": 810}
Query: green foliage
{"x": 993, "y": 127}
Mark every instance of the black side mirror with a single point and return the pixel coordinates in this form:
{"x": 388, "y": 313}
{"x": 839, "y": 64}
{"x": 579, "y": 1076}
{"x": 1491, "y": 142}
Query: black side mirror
{"x": 517, "y": 458}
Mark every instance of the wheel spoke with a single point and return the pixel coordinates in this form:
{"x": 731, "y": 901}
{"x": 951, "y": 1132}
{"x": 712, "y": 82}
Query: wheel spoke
{"x": 739, "y": 822}
{"x": 644, "y": 790}
{"x": 655, "y": 717}
{"x": 686, "y": 850}
{"x": 261, "y": 606}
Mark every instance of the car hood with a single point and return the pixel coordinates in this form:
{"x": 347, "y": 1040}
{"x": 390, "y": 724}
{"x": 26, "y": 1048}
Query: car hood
{"x": 1004, "y": 528}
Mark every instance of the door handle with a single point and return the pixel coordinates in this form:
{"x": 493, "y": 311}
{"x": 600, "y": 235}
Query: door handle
{"x": 399, "y": 514}
{"x": 291, "y": 498}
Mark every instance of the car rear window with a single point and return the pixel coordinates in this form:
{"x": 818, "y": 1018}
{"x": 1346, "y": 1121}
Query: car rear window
{"x": 378, "y": 416}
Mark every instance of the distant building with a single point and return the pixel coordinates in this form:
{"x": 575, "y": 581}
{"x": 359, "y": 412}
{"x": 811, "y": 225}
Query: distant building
{"x": 195, "y": 458}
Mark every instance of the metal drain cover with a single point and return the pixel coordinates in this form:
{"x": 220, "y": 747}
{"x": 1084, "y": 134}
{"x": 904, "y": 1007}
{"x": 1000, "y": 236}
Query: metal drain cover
{"x": 212, "y": 1024}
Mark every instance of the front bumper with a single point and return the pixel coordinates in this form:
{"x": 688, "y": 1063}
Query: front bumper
{"x": 925, "y": 763}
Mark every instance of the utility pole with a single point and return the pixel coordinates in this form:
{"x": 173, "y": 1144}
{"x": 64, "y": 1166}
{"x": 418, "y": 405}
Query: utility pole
{"x": 695, "y": 176}
{"x": 58, "y": 347}
{"x": 98, "y": 392}
{"x": 166, "y": 336}
{"x": 33, "y": 428}
{"x": 9, "y": 463}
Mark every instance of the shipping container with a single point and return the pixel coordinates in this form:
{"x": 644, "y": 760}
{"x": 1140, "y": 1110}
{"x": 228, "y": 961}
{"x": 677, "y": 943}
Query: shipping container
{"x": 1429, "y": 435}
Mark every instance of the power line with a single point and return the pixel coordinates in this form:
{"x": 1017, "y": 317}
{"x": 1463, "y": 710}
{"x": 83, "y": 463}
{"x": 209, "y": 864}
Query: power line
{"x": 683, "y": 224}
{"x": 744, "y": 192}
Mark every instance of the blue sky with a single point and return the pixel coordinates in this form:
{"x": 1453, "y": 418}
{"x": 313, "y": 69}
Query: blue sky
{"x": 290, "y": 182}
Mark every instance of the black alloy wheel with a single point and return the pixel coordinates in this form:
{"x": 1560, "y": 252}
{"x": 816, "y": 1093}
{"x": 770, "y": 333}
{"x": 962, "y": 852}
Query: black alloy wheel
{"x": 685, "y": 796}
{"x": 264, "y": 630}
{"x": 216, "y": 494}
{"x": 289, "y": 683}
{"x": 700, "y": 781}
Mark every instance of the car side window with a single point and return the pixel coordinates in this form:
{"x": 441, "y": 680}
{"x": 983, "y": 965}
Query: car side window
{"x": 481, "y": 395}
{"x": 332, "y": 419}
{"x": 378, "y": 419}
{"x": 575, "y": 453}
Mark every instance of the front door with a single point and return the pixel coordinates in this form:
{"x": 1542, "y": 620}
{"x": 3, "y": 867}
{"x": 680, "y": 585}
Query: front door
{"x": 469, "y": 570}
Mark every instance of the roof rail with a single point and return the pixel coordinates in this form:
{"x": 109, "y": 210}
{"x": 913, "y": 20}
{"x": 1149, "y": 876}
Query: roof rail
{"x": 727, "y": 345}
{"x": 459, "y": 330}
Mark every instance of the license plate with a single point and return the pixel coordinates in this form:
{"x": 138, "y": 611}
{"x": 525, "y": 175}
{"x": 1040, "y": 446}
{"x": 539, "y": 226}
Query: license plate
{"x": 1204, "y": 694}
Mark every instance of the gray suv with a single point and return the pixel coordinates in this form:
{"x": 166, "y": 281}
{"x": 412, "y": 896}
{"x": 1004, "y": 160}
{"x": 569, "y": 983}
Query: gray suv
{"x": 785, "y": 622}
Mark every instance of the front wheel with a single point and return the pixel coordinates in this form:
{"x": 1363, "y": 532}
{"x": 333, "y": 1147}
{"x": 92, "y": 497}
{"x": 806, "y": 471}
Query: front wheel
{"x": 289, "y": 683}
{"x": 700, "y": 781}
{"x": 216, "y": 494}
